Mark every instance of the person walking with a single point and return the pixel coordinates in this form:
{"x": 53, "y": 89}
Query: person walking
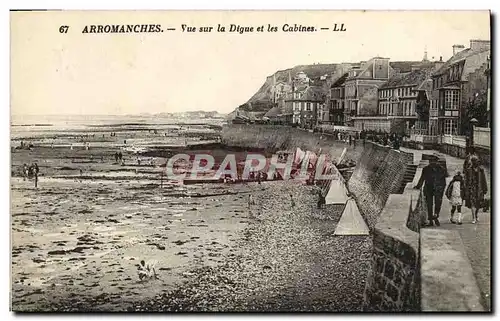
{"x": 434, "y": 176}
{"x": 467, "y": 163}
{"x": 36, "y": 170}
{"x": 251, "y": 205}
{"x": 25, "y": 171}
{"x": 475, "y": 187}
{"x": 292, "y": 201}
{"x": 455, "y": 193}
{"x": 321, "y": 199}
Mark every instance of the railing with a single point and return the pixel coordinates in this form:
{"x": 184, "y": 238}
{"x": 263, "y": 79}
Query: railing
{"x": 426, "y": 139}
{"x": 454, "y": 140}
{"x": 482, "y": 137}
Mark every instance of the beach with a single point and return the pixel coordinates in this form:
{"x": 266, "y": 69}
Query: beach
{"x": 77, "y": 239}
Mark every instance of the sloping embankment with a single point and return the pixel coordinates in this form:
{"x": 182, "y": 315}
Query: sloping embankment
{"x": 275, "y": 138}
{"x": 379, "y": 172}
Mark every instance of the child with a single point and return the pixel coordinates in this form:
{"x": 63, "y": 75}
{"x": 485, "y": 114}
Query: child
{"x": 146, "y": 271}
{"x": 455, "y": 193}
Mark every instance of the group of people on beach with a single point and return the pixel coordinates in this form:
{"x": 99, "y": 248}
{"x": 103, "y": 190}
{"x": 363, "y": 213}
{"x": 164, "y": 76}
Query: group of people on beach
{"x": 469, "y": 188}
{"x": 119, "y": 157}
{"x": 24, "y": 145}
{"x": 31, "y": 171}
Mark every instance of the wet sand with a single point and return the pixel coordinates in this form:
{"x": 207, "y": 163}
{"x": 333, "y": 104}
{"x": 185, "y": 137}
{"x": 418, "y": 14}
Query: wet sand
{"x": 77, "y": 241}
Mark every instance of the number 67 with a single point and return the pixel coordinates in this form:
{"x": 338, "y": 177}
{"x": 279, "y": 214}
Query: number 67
{"x": 63, "y": 29}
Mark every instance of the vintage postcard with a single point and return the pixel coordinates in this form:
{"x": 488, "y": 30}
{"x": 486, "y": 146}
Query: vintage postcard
{"x": 250, "y": 161}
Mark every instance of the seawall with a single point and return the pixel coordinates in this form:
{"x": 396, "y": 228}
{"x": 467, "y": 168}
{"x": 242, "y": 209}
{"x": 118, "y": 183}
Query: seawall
{"x": 274, "y": 138}
{"x": 379, "y": 172}
{"x": 407, "y": 264}
{"x": 394, "y": 280}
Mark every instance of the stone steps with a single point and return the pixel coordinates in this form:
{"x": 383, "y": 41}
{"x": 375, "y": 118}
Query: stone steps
{"x": 408, "y": 177}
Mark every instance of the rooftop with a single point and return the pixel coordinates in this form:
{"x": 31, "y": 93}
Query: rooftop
{"x": 339, "y": 82}
{"x": 273, "y": 112}
{"x": 315, "y": 93}
{"x": 471, "y": 64}
{"x": 414, "y": 78}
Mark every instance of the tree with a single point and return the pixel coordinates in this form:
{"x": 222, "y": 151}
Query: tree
{"x": 476, "y": 108}
{"x": 422, "y": 107}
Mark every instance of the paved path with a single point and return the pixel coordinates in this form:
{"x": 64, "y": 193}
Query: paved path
{"x": 475, "y": 237}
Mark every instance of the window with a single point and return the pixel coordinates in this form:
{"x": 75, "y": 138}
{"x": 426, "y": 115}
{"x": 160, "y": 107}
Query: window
{"x": 451, "y": 126}
{"x": 308, "y": 107}
{"x": 451, "y": 99}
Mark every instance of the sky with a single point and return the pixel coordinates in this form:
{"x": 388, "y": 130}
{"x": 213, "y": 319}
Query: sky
{"x": 173, "y": 71}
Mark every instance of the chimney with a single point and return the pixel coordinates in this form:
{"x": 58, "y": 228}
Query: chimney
{"x": 438, "y": 64}
{"x": 476, "y": 44}
{"x": 457, "y": 49}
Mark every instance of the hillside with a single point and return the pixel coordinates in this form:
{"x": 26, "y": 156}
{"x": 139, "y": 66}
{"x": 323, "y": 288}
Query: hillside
{"x": 261, "y": 101}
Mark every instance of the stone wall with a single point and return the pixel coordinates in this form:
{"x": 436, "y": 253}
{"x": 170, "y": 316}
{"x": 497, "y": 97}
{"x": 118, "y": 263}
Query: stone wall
{"x": 273, "y": 138}
{"x": 393, "y": 282}
{"x": 379, "y": 172}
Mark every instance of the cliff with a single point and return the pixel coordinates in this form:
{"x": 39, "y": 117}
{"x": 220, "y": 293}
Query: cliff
{"x": 320, "y": 75}
{"x": 262, "y": 100}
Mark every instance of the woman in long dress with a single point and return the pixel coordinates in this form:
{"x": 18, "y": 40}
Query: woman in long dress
{"x": 475, "y": 187}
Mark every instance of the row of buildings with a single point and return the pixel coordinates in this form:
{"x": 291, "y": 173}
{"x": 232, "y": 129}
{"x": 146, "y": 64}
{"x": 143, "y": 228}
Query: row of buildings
{"x": 426, "y": 98}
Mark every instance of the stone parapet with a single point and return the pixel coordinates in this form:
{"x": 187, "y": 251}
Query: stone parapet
{"x": 394, "y": 280}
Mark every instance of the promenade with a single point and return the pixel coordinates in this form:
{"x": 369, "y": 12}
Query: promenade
{"x": 476, "y": 238}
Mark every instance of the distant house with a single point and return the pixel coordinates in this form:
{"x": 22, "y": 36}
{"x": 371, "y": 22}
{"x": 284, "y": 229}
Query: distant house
{"x": 361, "y": 84}
{"x": 336, "y": 104}
{"x": 311, "y": 103}
{"x": 272, "y": 114}
{"x": 294, "y": 104}
{"x": 304, "y": 105}
{"x": 397, "y": 101}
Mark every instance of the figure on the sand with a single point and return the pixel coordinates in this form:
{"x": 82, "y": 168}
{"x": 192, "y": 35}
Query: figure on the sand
{"x": 36, "y": 170}
{"x": 251, "y": 204}
{"x": 321, "y": 199}
{"x": 25, "y": 171}
{"x": 146, "y": 271}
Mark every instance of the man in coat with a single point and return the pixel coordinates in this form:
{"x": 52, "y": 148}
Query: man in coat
{"x": 434, "y": 176}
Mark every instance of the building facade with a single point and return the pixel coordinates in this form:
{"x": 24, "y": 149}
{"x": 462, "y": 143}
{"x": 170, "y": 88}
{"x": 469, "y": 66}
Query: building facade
{"x": 451, "y": 97}
{"x": 337, "y": 101}
{"x": 361, "y": 86}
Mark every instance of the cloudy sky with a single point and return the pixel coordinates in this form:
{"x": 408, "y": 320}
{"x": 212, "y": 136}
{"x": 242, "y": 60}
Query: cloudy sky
{"x": 172, "y": 71}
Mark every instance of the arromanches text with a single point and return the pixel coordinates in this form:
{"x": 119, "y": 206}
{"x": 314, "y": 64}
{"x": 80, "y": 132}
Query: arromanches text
{"x": 142, "y": 28}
